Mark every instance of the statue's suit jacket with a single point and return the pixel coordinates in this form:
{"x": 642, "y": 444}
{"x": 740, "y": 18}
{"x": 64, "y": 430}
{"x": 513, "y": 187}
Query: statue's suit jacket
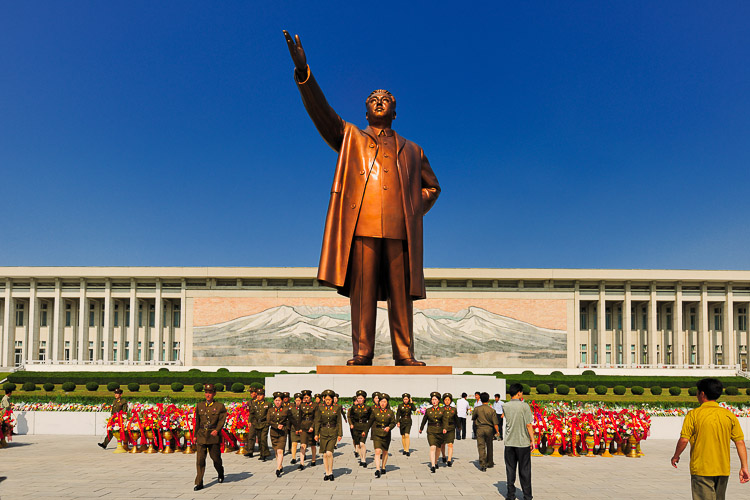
{"x": 357, "y": 150}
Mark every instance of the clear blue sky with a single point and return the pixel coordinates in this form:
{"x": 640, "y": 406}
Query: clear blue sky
{"x": 564, "y": 134}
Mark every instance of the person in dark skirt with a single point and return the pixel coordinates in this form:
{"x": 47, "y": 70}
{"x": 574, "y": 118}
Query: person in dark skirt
{"x": 294, "y": 431}
{"x": 451, "y": 421}
{"x": 403, "y": 417}
{"x": 279, "y": 421}
{"x": 382, "y": 421}
{"x": 307, "y": 431}
{"x": 435, "y": 421}
{"x": 328, "y": 430}
{"x": 359, "y": 418}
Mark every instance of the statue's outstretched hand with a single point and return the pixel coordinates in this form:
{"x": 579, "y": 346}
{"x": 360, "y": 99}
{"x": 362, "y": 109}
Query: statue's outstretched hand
{"x": 297, "y": 53}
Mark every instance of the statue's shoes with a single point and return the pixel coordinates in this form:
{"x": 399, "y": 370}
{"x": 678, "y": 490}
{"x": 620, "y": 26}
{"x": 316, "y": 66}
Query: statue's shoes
{"x": 359, "y": 361}
{"x": 409, "y": 362}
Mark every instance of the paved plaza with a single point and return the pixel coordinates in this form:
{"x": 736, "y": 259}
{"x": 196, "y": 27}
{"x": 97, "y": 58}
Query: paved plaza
{"x": 67, "y": 467}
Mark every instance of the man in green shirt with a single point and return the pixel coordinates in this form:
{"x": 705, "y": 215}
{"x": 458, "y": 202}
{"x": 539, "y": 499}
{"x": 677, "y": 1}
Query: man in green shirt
{"x": 708, "y": 429}
{"x": 519, "y": 441}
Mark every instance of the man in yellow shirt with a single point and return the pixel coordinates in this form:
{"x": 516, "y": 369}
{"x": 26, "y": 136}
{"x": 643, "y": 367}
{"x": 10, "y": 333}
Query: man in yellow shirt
{"x": 708, "y": 429}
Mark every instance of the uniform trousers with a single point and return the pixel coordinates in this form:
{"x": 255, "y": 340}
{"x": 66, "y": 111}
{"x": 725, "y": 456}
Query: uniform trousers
{"x": 461, "y": 428}
{"x": 485, "y": 445}
{"x": 214, "y": 450}
{"x": 263, "y": 441}
{"x": 381, "y": 263}
{"x": 709, "y": 487}
{"x": 500, "y": 427}
{"x": 518, "y": 457}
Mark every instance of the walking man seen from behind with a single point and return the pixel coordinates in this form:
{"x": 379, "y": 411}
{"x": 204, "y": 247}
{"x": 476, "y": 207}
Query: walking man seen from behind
{"x": 708, "y": 429}
{"x": 462, "y": 411}
{"x": 498, "y": 407}
{"x": 519, "y": 439}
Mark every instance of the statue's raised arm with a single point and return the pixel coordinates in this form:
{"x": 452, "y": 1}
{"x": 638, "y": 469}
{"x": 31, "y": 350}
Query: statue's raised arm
{"x": 329, "y": 124}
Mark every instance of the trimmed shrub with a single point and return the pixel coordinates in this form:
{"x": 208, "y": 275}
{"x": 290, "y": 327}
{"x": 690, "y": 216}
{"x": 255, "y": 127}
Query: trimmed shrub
{"x": 164, "y": 369}
{"x": 730, "y": 391}
{"x": 198, "y": 387}
{"x": 222, "y": 370}
{"x": 747, "y": 391}
{"x": 219, "y": 387}
{"x": 619, "y": 390}
{"x": 92, "y": 386}
{"x": 134, "y": 386}
{"x": 562, "y": 389}
{"x": 153, "y": 387}
{"x": 177, "y": 386}
{"x": 556, "y": 373}
{"x": 468, "y": 373}
{"x": 543, "y": 389}
{"x": 283, "y": 372}
{"x": 588, "y": 373}
{"x": 674, "y": 391}
{"x": 693, "y": 391}
{"x": 601, "y": 390}
{"x": 527, "y": 372}
{"x": 636, "y": 390}
{"x": 238, "y": 387}
{"x": 194, "y": 370}
{"x": 9, "y": 385}
{"x": 256, "y": 385}
{"x": 582, "y": 389}
{"x": 498, "y": 374}
{"x": 112, "y": 386}
{"x": 526, "y": 389}
{"x": 49, "y": 387}
{"x": 656, "y": 390}
{"x": 68, "y": 386}
{"x": 29, "y": 386}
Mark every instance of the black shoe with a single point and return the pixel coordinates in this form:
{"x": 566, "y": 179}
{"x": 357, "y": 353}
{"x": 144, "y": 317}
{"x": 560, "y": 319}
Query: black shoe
{"x": 437, "y": 465}
{"x": 278, "y": 472}
{"x": 443, "y": 459}
{"x": 330, "y": 477}
{"x": 102, "y": 446}
{"x": 221, "y": 477}
{"x": 248, "y": 455}
{"x": 377, "y": 473}
{"x": 408, "y": 453}
{"x": 432, "y": 469}
{"x": 294, "y": 461}
{"x": 490, "y": 466}
{"x": 325, "y": 477}
{"x": 198, "y": 487}
{"x": 450, "y": 464}
{"x": 484, "y": 469}
{"x": 312, "y": 464}
{"x": 382, "y": 471}
{"x": 264, "y": 459}
{"x": 356, "y": 455}
{"x": 301, "y": 466}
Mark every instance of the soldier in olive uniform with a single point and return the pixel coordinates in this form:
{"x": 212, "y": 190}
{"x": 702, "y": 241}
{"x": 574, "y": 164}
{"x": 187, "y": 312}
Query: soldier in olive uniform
{"x": 382, "y": 421}
{"x": 307, "y": 430}
{"x": 403, "y": 416}
{"x": 435, "y": 421}
{"x": 359, "y": 416}
{"x": 210, "y": 417}
{"x": 451, "y": 421}
{"x": 118, "y": 405}
{"x": 294, "y": 431}
{"x": 250, "y": 438}
{"x": 328, "y": 430}
{"x": 286, "y": 400}
{"x": 485, "y": 419}
{"x": 279, "y": 420}
{"x": 261, "y": 432}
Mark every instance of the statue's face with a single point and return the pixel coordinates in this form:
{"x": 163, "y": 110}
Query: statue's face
{"x": 380, "y": 108}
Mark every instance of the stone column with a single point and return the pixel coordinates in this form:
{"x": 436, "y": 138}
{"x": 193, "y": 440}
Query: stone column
{"x": 652, "y": 326}
{"x": 627, "y": 332}
{"x": 83, "y": 324}
{"x": 9, "y": 326}
{"x": 576, "y": 329}
{"x": 57, "y": 331}
{"x": 729, "y": 344}
{"x": 600, "y": 326}
{"x": 183, "y": 322}
{"x": 133, "y": 330}
{"x": 704, "y": 335}
{"x": 678, "y": 347}
{"x": 158, "y": 323}
{"x": 109, "y": 322}
{"x": 32, "y": 339}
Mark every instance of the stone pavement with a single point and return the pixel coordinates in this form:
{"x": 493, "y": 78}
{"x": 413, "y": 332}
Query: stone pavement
{"x": 68, "y": 467}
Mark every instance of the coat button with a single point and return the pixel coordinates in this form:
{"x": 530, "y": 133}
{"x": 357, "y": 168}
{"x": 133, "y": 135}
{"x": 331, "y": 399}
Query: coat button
{"x": 385, "y": 170}
{"x": 354, "y": 206}
{"x": 385, "y": 187}
{"x": 372, "y": 145}
{"x": 361, "y": 172}
{"x": 385, "y": 156}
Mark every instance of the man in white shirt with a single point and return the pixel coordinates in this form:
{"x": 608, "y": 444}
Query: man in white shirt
{"x": 498, "y": 407}
{"x": 462, "y": 411}
{"x": 477, "y": 404}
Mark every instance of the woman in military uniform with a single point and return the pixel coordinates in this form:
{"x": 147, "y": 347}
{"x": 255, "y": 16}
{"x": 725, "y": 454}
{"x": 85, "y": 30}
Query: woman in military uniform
{"x": 433, "y": 418}
{"x": 451, "y": 421}
{"x": 328, "y": 430}
{"x": 279, "y": 421}
{"x": 294, "y": 432}
{"x": 403, "y": 417}
{"x": 382, "y": 421}
{"x": 307, "y": 431}
{"x": 359, "y": 417}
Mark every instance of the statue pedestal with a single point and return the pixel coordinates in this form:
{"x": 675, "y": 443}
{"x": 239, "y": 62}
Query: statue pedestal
{"x": 419, "y": 381}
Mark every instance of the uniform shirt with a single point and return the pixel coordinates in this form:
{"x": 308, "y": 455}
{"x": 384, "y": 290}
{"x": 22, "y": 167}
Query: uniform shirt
{"x": 279, "y": 416}
{"x": 450, "y": 417}
{"x": 5, "y": 405}
{"x": 209, "y": 417}
{"x": 517, "y": 416}
{"x": 359, "y": 415}
{"x": 119, "y": 405}
{"x": 404, "y": 411}
{"x": 261, "y": 412}
{"x": 462, "y": 408}
{"x": 328, "y": 417}
{"x": 296, "y": 413}
{"x": 485, "y": 416}
{"x": 435, "y": 419}
{"x": 382, "y": 212}
{"x": 380, "y": 419}
{"x": 307, "y": 415}
{"x": 498, "y": 407}
{"x": 710, "y": 428}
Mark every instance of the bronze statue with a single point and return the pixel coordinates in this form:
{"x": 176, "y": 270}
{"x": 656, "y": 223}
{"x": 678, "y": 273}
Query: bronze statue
{"x": 372, "y": 244}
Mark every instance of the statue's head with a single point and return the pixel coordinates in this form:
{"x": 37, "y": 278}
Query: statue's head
{"x": 381, "y": 108}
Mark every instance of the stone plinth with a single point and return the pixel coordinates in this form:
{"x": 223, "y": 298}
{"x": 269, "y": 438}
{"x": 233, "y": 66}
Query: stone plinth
{"x": 383, "y": 370}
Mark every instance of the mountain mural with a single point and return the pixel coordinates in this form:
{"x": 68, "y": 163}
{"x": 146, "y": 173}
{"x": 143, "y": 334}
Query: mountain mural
{"x": 281, "y": 334}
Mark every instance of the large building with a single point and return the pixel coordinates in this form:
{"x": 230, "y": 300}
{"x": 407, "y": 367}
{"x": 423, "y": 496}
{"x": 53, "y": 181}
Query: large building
{"x": 482, "y": 319}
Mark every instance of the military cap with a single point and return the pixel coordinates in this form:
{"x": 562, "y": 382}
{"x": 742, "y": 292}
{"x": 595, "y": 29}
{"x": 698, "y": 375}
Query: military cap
{"x": 253, "y": 390}
{"x": 307, "y": 392}
{"x": 448, "y": 395}
{"x": 118, "y": 391}
{"x": 336, "y": 395}
{"x": 277, "y": 394}
{"x": 385, "y": 396}
{"x": 362, "y": 393}
{"x": 317, "y": 395}
{"x": 375, "y": 395}
{"x": 434, "y": 394}
{"x": 297, "y": 395}
{"x": 261, "y": 391}
{"x": 209, "y": 388}
{"x": 285, "y": 394}
{"x": 406, "y": 395}
{"x": 328, "y": 393}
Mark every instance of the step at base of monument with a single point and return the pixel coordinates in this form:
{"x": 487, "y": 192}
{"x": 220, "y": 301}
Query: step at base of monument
{"x": 383, "y": 370}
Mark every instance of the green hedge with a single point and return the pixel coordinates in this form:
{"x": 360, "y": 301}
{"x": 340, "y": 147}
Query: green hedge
{"x": 619, "y": 390}
{"x": 49, "y": 387}
{"x": 636, "y": 390}
{"x": 656, "y": 390}
{"x": 92, "y": 386}
{"x": 543, "y": 389}
{"x": 600, "y": 389}
{"x": 134, "y": 387}
{"x": 582, "y": 389}
{"x": 675, "y": 391}
{"x": 111, "y": 386}
{"x": 562, "y": 389}
{"x": 143, "y": 378}
{"x": 28, "y": 386}
{"x": 153, "y": 387}
{"x": 68, "y": 386}
{"x": 610, "y": 381}
{"x": 732, "y": 391}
